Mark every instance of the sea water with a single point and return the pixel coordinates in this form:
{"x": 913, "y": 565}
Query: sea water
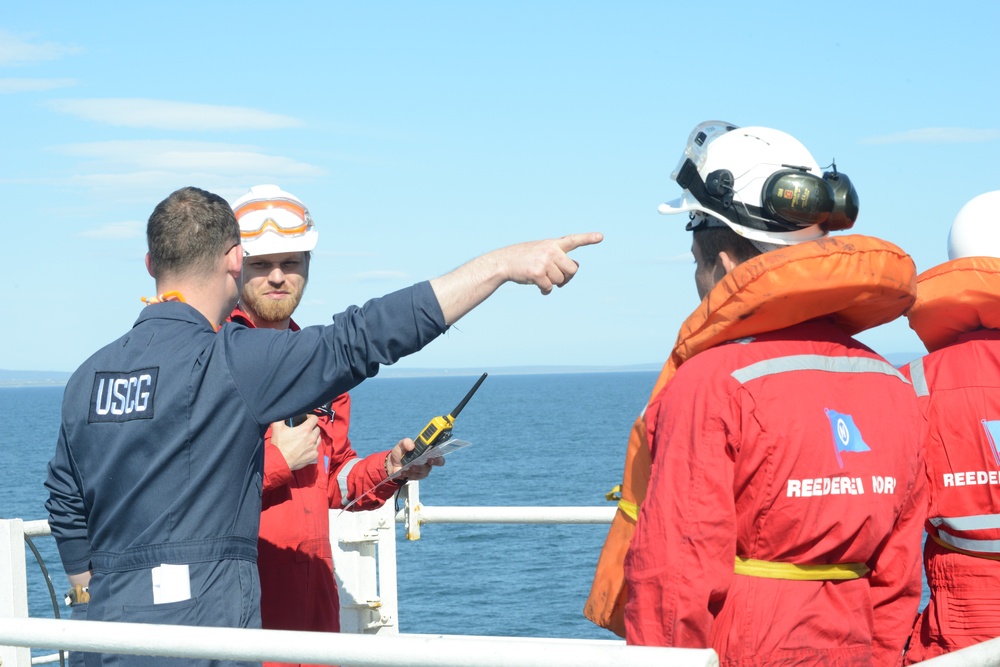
{"x": 549, "y": 440}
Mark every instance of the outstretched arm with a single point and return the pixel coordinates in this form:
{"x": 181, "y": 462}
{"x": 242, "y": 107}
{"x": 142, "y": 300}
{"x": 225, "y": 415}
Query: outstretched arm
{"x": 541, "y": 263}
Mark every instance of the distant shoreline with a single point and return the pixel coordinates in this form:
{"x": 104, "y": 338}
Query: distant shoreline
{"x": 21, "y": 379}
{"x": 390, "y": 372}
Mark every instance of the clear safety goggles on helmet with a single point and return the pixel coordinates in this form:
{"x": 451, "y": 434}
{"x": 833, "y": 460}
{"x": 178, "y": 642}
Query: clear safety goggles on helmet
{"x": 696, "y": 149}
{"x": 303, "y": 221}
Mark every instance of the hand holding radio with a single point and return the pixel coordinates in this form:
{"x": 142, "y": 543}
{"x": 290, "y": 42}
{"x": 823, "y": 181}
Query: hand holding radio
{"x": 394, "y": 462}
{"x": 438, "y": 430}
{"x": 299, "y": 444}
{"x": 434, "y": 441}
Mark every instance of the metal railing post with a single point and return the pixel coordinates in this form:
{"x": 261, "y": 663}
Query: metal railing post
{"x": 13, "y": 590}
{"x": 364, "y": 557}
{"x": 412, "y": 510}
{"x": 387, "y": 571}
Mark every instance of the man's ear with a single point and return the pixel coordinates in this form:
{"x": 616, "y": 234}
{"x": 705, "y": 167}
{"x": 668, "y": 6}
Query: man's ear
{"x": 234, "y": 261}
{"x": 149, "y": 265}
{"x": 726, "y": 261}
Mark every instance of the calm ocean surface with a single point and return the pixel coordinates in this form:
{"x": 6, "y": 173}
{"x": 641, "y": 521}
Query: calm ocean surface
{"x": 556, "y": 439}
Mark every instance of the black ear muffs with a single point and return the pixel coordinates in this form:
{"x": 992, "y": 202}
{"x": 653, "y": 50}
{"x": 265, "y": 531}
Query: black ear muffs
{"x": 845, "y": 202}
{"x": 797, "y": 197}
{"x": 804, "y": 199}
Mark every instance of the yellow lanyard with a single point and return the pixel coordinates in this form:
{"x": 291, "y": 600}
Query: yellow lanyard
{"x": 166, "y": 296}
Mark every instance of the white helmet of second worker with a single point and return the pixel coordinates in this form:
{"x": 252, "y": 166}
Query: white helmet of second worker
{"x": 274, "y": 221}
{"x": 761, "y": 183}
{"x": 976, "y": 229}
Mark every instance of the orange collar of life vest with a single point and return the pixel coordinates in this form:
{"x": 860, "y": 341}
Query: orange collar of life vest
{"x": 858, "y": 282}
{"x": 954, "y": 298}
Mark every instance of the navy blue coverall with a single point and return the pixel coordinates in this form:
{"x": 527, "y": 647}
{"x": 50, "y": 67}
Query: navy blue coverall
{"x": 159, "y": 459}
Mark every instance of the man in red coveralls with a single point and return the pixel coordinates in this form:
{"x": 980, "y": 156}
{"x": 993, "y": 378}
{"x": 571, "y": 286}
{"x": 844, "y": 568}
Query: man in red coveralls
{"x": 783, "y": 517}
{"x": 957, "y": 316}
{"x": 309, "y": 468}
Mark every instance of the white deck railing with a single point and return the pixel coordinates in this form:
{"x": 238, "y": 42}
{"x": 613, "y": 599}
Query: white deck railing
{"x": 328, "y": 648}
{"x": 365, "y": 562}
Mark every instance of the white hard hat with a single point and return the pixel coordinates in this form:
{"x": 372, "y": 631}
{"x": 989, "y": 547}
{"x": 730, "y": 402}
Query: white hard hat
{"x": 976, "y": 230}
{"x": 762, "y": 183}
{"x": 274, "y": 221}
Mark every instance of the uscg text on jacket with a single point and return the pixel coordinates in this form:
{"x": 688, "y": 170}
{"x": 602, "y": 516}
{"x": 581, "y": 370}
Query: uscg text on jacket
{"x": 123, "y": 396}
{"x": 833, "y": 486}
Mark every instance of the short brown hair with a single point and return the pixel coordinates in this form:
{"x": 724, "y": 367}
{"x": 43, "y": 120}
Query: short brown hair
{"x": 713, "y": 240}
{"x": 188, "y": 232}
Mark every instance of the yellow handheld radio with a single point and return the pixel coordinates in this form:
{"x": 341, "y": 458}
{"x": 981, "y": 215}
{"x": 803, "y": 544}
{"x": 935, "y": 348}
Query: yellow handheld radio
{"x": 439, "y": 428}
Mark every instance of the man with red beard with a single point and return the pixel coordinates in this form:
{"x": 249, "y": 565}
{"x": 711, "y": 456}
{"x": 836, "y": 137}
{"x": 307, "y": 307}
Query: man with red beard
{"x": 309, "y": 468}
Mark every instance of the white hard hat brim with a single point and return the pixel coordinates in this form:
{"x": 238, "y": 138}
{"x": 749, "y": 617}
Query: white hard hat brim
{"x": 271, "y": 243}
{"x": 686, "y": 203}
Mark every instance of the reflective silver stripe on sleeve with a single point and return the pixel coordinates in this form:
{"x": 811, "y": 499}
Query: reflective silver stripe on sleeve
{"x": 816, "y": 362}
{"x": 342, "y": 481}
{"x": 918, "y": 379}
{"x": 977, "y": 522}
{"x": 982, "y": 546}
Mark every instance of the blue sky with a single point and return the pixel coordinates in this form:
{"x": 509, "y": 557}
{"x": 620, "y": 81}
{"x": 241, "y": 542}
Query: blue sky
{"x": 423, "y": 134}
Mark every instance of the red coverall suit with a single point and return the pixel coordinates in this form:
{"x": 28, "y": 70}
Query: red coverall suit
{"x": 295, "y": 560}
{"x": 957, "y": 315}
{"x": 795, "y": 455}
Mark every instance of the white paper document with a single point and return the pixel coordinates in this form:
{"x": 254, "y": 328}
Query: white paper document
{"x": 171, "y": 583}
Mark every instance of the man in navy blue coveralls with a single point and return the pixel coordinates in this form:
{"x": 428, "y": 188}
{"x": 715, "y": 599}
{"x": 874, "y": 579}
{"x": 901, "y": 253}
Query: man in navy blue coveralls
{"x": 154, "y": 489}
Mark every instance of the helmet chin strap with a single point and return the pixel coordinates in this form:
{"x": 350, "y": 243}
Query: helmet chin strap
{"x": 742, "y": 214}
{"x": 701, "y": 220}
{"x": 764, "y": 246}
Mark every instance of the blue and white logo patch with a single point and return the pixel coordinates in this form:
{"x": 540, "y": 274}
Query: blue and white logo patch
{"x": 123, "y": 396}
{"x": 993, "y": 435}
{"x": 846, "y": 435}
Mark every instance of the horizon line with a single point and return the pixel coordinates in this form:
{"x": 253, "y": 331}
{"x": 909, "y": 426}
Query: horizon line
{"x": 8, "y": 377}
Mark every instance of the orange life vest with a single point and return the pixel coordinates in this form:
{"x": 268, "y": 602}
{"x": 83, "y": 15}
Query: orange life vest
{"x": 954, "y": 298}
{"x": 857, "y": 282}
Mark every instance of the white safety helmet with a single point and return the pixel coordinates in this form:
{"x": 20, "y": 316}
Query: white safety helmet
{"x": 274, "y": 221}
{"x": 976, "y": 229}
{"x": 760, "y": 182}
